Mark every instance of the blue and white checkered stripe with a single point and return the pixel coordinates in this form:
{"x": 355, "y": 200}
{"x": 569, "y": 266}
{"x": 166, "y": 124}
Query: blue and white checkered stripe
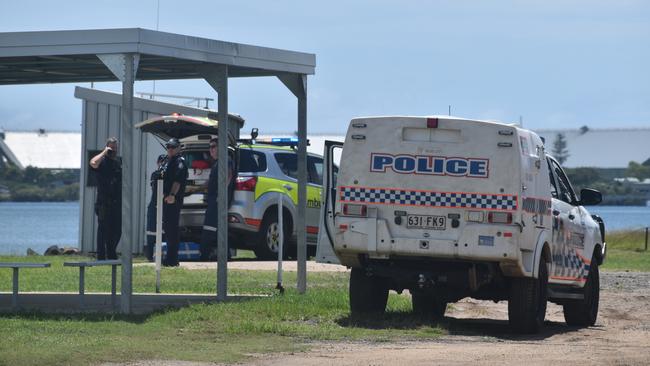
{"x": 572, "y": 265}
{"x": 393, "y": 196}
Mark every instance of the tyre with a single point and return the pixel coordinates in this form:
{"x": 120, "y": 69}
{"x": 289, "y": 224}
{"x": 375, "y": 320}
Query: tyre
{"x": 368, "y": 294}
{"x": 427, "y": 306}
{"x": 268, "y": 238}
{"x": 584, "y": 312}
{"x": 527, "y": 303}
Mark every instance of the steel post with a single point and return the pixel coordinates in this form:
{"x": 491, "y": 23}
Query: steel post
{"x": 14, "y": 295}
{"x": 159, "y": 210}
{"x": 113, "y": 285}
{"x": 82, "y": 285}
{"x": 302, "y": 185}
{"x": 280, "y": 243}
{"x": 128, "y": 229}
{"x": 217, "y": 77}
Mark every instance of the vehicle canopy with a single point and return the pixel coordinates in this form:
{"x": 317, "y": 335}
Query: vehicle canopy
{"x": 182, "y": 126}
{"x": 438, "y": 168}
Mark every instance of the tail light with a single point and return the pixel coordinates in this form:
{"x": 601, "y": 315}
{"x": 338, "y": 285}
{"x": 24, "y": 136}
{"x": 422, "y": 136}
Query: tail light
{"x": 500, "y": 218}
{"x": 355, "y": 210}
{"x": 245, "y": 184}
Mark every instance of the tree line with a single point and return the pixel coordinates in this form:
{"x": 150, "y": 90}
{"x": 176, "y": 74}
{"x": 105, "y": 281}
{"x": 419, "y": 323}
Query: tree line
{"x": 37, "y": 185}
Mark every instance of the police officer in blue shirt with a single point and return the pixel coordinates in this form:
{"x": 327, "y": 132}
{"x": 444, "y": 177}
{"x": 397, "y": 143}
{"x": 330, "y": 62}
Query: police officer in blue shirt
{"x": 209, "y": 233}
{"x": 108, "y": 207}
{"x": 174, "y": 180}
{"x": 151, "y": 208}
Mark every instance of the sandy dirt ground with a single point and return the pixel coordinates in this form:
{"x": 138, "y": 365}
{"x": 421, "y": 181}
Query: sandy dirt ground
{"x": 479, "y": 334}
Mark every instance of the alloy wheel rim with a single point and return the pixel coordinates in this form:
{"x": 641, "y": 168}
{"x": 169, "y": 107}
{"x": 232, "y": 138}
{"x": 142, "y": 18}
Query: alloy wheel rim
{"x": 272, "y": 237}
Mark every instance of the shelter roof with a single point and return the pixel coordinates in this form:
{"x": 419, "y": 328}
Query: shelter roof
{"x": 71, "y": 56}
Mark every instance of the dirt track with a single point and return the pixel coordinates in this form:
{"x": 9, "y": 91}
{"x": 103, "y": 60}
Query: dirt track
{"x": 479, "y": 335}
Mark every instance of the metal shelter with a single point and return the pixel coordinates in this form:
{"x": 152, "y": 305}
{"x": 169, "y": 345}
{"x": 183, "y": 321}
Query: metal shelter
{"x": 100, "y": 119}
{"x": 127, "y": 55}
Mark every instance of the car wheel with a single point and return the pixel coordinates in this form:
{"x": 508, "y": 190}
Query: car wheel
{"x": 584, "y": 312}
{"x": 427, "y": 306}
{"x": 368, "y": 294}
{"x": 268, "y": 238}
{"x": 527, "y": 303}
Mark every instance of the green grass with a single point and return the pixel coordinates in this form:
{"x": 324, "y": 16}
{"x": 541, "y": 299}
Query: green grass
{"x": 225, "y": 332}
{"x": 625, "y": 251}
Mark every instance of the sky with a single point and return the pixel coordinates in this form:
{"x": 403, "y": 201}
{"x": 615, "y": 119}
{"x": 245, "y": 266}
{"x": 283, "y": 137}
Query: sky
{"x": 552, "y": 64}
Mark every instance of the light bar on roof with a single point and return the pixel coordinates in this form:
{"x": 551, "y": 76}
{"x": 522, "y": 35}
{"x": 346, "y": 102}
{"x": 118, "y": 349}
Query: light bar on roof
{"x": 280, "y": 141}
{"x": 284, "y": 139}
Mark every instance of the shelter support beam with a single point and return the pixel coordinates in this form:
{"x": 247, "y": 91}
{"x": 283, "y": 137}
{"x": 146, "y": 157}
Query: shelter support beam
{"x": 124, "y": 67}
{"x": 297, "y": 84}
{"x": 217, "y": 77}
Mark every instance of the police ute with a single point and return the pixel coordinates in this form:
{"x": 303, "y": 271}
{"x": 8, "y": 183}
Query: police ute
{"x": 448, "y": 208}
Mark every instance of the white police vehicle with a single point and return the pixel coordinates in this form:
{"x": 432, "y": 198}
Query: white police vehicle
{"x": 449, "y": 208}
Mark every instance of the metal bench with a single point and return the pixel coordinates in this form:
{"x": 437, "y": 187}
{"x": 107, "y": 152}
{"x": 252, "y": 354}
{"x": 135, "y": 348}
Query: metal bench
{"x": 82, "y": 272}
{"x": 16, "y": 267}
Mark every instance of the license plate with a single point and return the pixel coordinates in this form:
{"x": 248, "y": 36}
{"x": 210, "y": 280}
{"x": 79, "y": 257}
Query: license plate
{"x": 426, "y": 222}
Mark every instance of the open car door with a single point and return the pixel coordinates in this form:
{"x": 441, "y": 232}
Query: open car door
{"x": 325, "y": 249}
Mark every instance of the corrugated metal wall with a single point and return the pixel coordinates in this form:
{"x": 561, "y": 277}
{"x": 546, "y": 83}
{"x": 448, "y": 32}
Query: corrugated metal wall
{"x": 100, "y": 120}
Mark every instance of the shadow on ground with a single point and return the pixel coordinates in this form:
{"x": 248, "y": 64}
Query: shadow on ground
{"x": 481, "y": 327}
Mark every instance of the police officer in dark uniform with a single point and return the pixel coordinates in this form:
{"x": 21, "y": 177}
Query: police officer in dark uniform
{"x": 151, "y": 209}
{"x": 108, "y": 207}
{"x": 209, "y": 233}
{"x": 174, "y": 180}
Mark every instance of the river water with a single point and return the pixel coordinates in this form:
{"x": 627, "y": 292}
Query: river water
{"x": 38, "y": 225}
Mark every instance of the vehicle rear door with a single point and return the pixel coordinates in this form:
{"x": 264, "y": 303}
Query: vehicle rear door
{"x": 325, "y": 249}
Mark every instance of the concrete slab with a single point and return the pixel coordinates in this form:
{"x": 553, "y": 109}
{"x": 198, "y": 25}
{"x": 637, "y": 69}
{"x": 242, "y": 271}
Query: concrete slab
{"x": 66, "y": 302}
{"x": 287, "y": 266}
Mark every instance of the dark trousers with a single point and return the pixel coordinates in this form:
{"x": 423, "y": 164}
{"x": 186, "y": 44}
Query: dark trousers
{"x": 209, "y": 232}
{"x": 109, "y": 230}
{"x": 171, "y": 216}
{"x": 151, "y": 231}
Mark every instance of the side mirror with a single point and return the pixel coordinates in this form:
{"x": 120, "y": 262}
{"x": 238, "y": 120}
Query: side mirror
{"x": 589, "y": 197}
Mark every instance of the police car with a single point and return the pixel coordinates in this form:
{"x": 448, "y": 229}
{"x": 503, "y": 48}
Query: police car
{"x": 448, "y": 208}
{"x": 266, "y": 169}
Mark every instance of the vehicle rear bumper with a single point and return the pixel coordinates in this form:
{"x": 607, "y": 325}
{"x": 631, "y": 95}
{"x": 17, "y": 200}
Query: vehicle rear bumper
{"x": 476, "y": 242}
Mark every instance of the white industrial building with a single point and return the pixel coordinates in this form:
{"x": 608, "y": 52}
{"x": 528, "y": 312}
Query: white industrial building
{"x": 43, "y": 149}
{"x": 587, "y": 147}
